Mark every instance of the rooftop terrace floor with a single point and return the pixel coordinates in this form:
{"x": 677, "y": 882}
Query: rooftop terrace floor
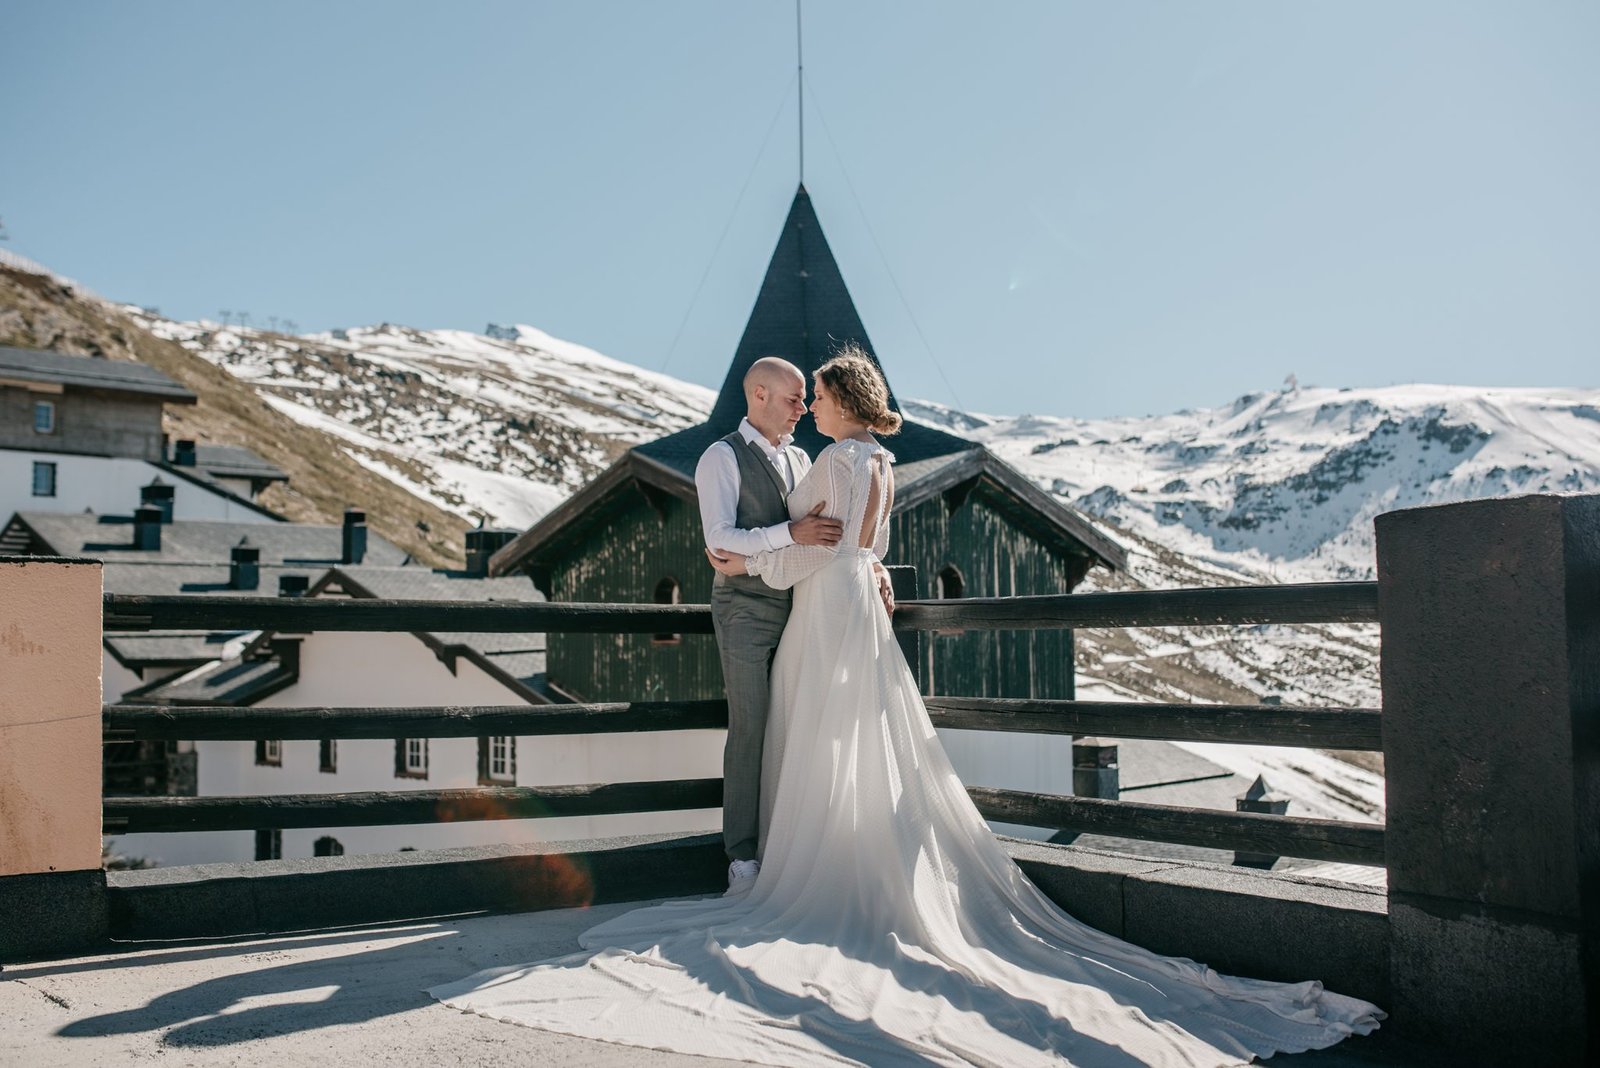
{"x": 345, "y": 996}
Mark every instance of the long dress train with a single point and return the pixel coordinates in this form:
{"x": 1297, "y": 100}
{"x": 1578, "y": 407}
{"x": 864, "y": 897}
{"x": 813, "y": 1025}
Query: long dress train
{"x": 887, "y": 926}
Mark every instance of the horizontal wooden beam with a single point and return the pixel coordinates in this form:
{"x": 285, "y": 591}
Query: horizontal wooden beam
{"x": 1319, "y": 602}
{"x": 1288, "y": 836}
{"x": 225, "y": 723}
{"x": 1249, "y": 832}
{"x": 140, "y": 612}
{"x": 1314, "y": 728}
{"x": 129, "y": 815}
{"x": 1313, "y": 602}
{"x": 1317, "y": 728}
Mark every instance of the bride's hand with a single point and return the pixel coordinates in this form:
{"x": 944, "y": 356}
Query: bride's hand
{"x": 727, "y": 563}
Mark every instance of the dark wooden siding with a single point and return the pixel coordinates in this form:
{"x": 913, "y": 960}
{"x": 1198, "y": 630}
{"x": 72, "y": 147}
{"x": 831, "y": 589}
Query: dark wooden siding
{"x": 640, "y": 545}
{"x": 625, "y": 562}
{"x": 995, "y": 559}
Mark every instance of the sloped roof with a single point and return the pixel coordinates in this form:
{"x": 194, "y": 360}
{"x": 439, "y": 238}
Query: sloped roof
{"x": 236, "y": 461}
{"x": 516, "y": 660}
{"x": 308, "y": 545}
{"x": 240, "y": 680}
{"x": 1036, "y": 511}
{"x": 168, "y": 648}
{"x": 804, "y": 314}
{"x": 163, "y": 648}
{"x": 88, "y": 372}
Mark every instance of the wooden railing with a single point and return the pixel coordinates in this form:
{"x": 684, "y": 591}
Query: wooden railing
{"x": 1332, "y": 728}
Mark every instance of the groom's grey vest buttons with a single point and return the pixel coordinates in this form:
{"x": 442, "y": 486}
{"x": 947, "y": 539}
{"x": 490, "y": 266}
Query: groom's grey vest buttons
{"x": 763, "y": 502}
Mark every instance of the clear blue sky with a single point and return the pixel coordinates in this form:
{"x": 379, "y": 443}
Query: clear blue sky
{"x": 1090, "y": 209}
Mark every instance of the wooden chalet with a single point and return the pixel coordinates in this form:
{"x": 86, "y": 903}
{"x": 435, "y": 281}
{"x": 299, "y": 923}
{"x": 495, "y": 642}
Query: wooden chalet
{"x": 972, "y": 525}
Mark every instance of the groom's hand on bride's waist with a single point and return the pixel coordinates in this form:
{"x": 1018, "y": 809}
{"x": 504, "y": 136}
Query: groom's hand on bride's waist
{"x": 814, "y": 528}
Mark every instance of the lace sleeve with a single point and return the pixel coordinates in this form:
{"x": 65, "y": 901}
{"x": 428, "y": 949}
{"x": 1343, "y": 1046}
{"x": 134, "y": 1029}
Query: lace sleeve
{"x": 783, "y": 568}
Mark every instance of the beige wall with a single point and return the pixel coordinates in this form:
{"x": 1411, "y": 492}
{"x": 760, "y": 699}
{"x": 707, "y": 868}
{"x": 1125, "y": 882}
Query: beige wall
{"x": 49, "y": 716}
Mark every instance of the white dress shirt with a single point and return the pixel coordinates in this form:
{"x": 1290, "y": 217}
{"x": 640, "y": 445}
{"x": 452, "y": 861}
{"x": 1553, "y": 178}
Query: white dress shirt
{"x": 716, "y": 479}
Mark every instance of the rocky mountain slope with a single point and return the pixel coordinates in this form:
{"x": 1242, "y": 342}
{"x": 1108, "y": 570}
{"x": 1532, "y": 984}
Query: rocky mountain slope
{"x": 448, "y": 427}
{"x": 1276, "y": 486}
{"x": 496, "y": 427}
{"x": 43, "y": 312}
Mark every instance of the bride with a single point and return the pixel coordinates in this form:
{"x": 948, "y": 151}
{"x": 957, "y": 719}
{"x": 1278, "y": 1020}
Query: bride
{"x": 887, "y": 925}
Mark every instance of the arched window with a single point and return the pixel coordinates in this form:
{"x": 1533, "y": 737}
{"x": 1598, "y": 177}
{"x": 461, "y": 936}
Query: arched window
{"x": 948, "y": 585}
{"x": 668, "y": 592}
{"x": 327, "y": 846}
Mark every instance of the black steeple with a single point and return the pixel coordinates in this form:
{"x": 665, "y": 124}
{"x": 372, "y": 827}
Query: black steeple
{"x": 805, "y": 315}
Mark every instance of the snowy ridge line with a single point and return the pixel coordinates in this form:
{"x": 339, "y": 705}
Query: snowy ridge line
{"x": 498, "y": 427}
{"x": 23, "y": 263}
{"x": 1284, "y": 485}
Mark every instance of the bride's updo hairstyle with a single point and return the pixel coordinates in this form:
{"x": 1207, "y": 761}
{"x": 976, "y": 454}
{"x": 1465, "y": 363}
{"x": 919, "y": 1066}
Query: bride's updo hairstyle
{"x": 858, "y": 386}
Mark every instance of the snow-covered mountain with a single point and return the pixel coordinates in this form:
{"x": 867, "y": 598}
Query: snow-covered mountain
{"x": 500, "y": 426}
{"x": 1277, "y": 486}
{"x": 1284, "y": 485}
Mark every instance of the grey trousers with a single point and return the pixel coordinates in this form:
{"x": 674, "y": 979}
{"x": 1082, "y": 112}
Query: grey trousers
{"x": 748, "y": 627}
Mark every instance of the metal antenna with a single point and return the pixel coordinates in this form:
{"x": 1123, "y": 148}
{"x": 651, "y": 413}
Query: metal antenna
{"x": 800, "y": 73}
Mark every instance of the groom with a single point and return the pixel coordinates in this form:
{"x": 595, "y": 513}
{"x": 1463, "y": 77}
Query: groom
{"x": 744, "y": 481}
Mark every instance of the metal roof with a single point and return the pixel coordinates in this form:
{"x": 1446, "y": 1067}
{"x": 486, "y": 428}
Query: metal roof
{"x": 88, "y": 372}
{"x": 235, "y": 461}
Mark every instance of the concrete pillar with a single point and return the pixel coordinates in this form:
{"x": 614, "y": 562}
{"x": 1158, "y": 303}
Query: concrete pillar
{"x": 1258, "y": 797}
{"x": 1491, "y": 737}
{"x": 52, "y": 891}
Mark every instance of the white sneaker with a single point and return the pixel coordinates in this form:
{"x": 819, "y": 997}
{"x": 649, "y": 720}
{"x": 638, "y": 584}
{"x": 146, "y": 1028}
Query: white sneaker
{"x": 740, "y": 870}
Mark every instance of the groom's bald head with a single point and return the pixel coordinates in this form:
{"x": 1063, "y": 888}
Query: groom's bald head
{"x": 775, "y": 396}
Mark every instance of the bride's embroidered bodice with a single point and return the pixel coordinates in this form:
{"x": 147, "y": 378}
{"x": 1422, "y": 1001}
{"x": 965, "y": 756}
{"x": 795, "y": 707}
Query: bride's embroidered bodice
{"x": 852, "y": 481}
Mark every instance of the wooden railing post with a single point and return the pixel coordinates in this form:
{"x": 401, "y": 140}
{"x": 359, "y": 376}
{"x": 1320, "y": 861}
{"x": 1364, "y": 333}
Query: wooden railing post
{"x": 1491, "y": 729}
{"x": 903, "y": 577}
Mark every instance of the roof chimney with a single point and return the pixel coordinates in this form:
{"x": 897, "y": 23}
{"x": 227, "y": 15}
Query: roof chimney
{"x": 158, "y": 494}
{"x": 1259, "y": 798}
{"x": 483, "y": 543}
{"x": 183, "y": 454}
{"x": 244, "y": 566}
{"x": 1095, "y": 772}
{"x": 355, "y": 536}
{"x": 293, "y": 585}
{"x": 147, "y": 528}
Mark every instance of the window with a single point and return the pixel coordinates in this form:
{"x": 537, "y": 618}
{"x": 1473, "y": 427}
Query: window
{"x": 269, "y": 752}
{"x": 668, "y": 592}
{"x": 411, "y": 758}
{"x": 497, "y": 760}
{"x": 948, "y": 585}
{"x": 327, "y": 755}
{"x": 327, "y": 846}
{"x": 269, "y": 844}
{"x": 44, "y": 479}
{"x": 44, "y": 417}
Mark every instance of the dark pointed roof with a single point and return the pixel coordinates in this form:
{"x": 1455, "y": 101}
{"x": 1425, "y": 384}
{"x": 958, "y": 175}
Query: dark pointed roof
{"x": 804, "y": 314}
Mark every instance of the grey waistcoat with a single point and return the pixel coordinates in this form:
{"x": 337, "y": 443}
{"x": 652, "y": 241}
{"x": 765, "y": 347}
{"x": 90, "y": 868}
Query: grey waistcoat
{"x": 763, "y": 502}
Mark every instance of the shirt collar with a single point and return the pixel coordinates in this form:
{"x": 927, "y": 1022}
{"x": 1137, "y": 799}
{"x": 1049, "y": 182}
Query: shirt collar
{"x": 754, "y": 436}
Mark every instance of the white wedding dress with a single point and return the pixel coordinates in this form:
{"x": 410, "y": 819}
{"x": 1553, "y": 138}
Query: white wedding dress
{"x": 887, "y": 926}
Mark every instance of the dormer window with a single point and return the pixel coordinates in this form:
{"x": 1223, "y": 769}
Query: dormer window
{"x": 44, "y": 417}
